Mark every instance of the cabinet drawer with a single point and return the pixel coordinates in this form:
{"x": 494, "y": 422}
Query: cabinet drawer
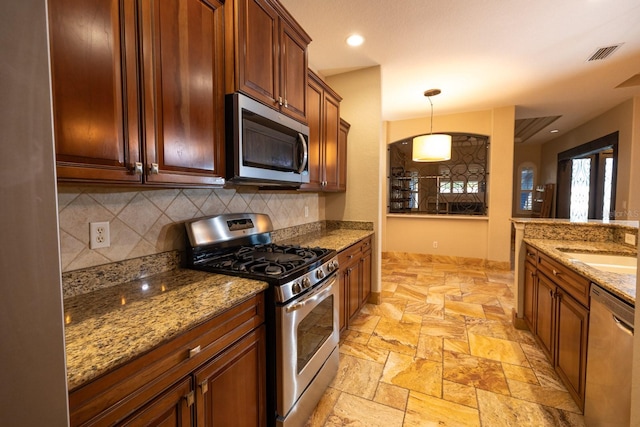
{"x": 531, "y": 255}
{"x": 574, "y": 284}
{"x": 117, "y": 394}
{"x": 349, "y": 255}
{"x": 365, "y": 244}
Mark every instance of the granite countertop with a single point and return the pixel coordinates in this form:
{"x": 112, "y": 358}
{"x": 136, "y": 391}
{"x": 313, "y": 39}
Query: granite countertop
{"x": 110, "y": 326}
{"x": 621, "y": 285}
{"x": 338, "y": 239}
{"x": 107, "y": 327}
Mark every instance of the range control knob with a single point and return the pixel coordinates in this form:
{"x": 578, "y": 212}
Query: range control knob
{"x": 296, "y": 289}
{"x": 306, "y": 282}
{"x": 320, "y": 274}
{"x": 332, "y": 266}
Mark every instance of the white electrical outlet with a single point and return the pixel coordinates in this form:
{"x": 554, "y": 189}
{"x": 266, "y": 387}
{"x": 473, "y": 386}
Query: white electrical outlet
{"x": 99, "y": 235}
{"x": 630, "y": 239}
{"x": 435, "y": 244}
{"x": 306, "y": 211}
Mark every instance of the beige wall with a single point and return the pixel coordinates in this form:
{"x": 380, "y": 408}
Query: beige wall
{"x": 146, "y": 222}
{"x": 624, "y": 118}
{"x": 362, "y": 108}
{"x": 487, "y": 238}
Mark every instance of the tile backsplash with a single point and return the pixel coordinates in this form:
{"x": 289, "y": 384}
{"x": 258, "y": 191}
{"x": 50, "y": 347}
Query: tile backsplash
{"x": 148, "y": 221}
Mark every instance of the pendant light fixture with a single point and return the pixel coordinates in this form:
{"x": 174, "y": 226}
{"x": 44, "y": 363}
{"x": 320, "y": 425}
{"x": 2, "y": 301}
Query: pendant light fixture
{"x": 431, "y": 147}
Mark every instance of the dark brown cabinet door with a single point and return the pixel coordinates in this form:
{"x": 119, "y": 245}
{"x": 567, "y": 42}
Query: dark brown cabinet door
{"x": 257, "y": 53}
{"x": 183, "y": 90}
{"x": 571, "y": 352}
{"x": 327, "y": 152}
{"x": 365, "y": 277}
{"x": 231, "y": 389}
{"x": 269, "y": 56}
{"x": 342, "y": 155}
{"x": 171, "y": 409}
{"x": 331, "y": 137}
{"x": 530, "y": 276}
{"x": 293, "y": 72}
{"x": 95, "y": 105}
{"x": 545, "y": 318}
{"x": 354, "y": 290}
{"x": 315, "y": 102}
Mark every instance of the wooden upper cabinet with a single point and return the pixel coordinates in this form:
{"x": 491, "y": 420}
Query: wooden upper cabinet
{"x": 266, "y": 55}
{"x": 327, "y": 148}
{"x": 94, "y": 84}
{"x": 183, "y": 90}
{"x": 342, "y": 154}
{"x": 138, "y": 90}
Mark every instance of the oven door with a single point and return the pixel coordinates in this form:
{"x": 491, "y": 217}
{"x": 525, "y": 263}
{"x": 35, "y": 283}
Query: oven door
{"x": 306, "y": 335}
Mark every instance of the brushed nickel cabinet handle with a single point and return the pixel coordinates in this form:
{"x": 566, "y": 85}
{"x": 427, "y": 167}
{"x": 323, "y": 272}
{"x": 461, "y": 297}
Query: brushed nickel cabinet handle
{"x": 194, "y": 351}
{"x": 137, "y": 168}
{"x": 190, "y": 398}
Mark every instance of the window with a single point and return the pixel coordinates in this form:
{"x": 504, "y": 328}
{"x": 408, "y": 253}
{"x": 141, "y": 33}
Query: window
{"x": 456, "y": 186}
{"x": 526, "y": 174}
{"x": 586, "y": 180}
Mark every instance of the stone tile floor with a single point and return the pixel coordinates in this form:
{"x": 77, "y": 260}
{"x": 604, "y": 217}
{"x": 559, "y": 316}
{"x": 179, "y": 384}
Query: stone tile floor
{"x": 441, "y": 351}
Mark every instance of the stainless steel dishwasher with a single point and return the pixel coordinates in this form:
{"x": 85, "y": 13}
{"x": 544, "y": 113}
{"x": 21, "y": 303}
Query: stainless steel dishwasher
{"x": 609, "y": 358}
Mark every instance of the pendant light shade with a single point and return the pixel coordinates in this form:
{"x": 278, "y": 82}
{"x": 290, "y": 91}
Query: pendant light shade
{"x": 431, "y": 147}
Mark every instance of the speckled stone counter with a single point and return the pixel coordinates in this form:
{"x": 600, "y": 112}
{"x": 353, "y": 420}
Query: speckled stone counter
{"x": 109, "y": 326}
{"x": 605, "y": 237}
{"x": 121, "y": 310}
{"x": 621, "y": 285}
{"x": 337, "y": 239}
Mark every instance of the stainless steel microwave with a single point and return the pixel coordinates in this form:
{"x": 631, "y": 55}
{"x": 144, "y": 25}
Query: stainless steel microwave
{"x": 263, "y": 146}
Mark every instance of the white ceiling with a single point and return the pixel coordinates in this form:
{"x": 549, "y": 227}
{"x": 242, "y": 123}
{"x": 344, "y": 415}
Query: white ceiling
{"x": 482, "y": 53}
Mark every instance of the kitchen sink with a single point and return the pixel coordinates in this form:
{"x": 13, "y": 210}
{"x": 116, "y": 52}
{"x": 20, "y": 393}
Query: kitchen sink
{"x": 620, "y": 264}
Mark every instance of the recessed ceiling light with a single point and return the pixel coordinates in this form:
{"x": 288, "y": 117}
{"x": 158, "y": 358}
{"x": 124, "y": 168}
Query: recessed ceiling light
{"x": 355, "y": 40}
{"x": 554, "y": 131}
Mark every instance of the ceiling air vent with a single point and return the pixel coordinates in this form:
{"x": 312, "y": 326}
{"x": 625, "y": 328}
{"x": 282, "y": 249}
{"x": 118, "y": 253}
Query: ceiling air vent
{"x": 603, "y": 52}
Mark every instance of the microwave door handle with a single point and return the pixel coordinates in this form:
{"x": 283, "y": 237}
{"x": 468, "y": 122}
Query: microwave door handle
{"x": 305, "y": 153}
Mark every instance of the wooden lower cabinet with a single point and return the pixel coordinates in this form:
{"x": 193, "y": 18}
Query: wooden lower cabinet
{"x": 572, "y": 321}
{"x": 171, "y": 408}
{"x": 212, "y": 375}
{"x": 530, "y": 296}
{"x": 545, "y": 319}
{"x": 231, "y": 388}
{"x": 355, "y": 279}
{"x": 556, "y": 313}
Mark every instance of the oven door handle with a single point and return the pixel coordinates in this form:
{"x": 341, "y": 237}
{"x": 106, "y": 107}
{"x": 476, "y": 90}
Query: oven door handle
{"x": 313, "y": 297}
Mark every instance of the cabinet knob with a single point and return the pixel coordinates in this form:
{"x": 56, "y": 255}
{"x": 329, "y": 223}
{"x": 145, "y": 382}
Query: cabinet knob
{"x": 280, "y": 101}
{"x": 556, "y": 273}
{"x": 137, "y": 168}
{"x": 154, "y": 169}
{"x": 194, "y": 351}
{"x": 286, "y": 104}
{"x": 204, "y": 386}
{"x": 190, "y": 398}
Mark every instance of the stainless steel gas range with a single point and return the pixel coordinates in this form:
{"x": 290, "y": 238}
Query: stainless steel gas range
{"x": 302, "y": 305}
